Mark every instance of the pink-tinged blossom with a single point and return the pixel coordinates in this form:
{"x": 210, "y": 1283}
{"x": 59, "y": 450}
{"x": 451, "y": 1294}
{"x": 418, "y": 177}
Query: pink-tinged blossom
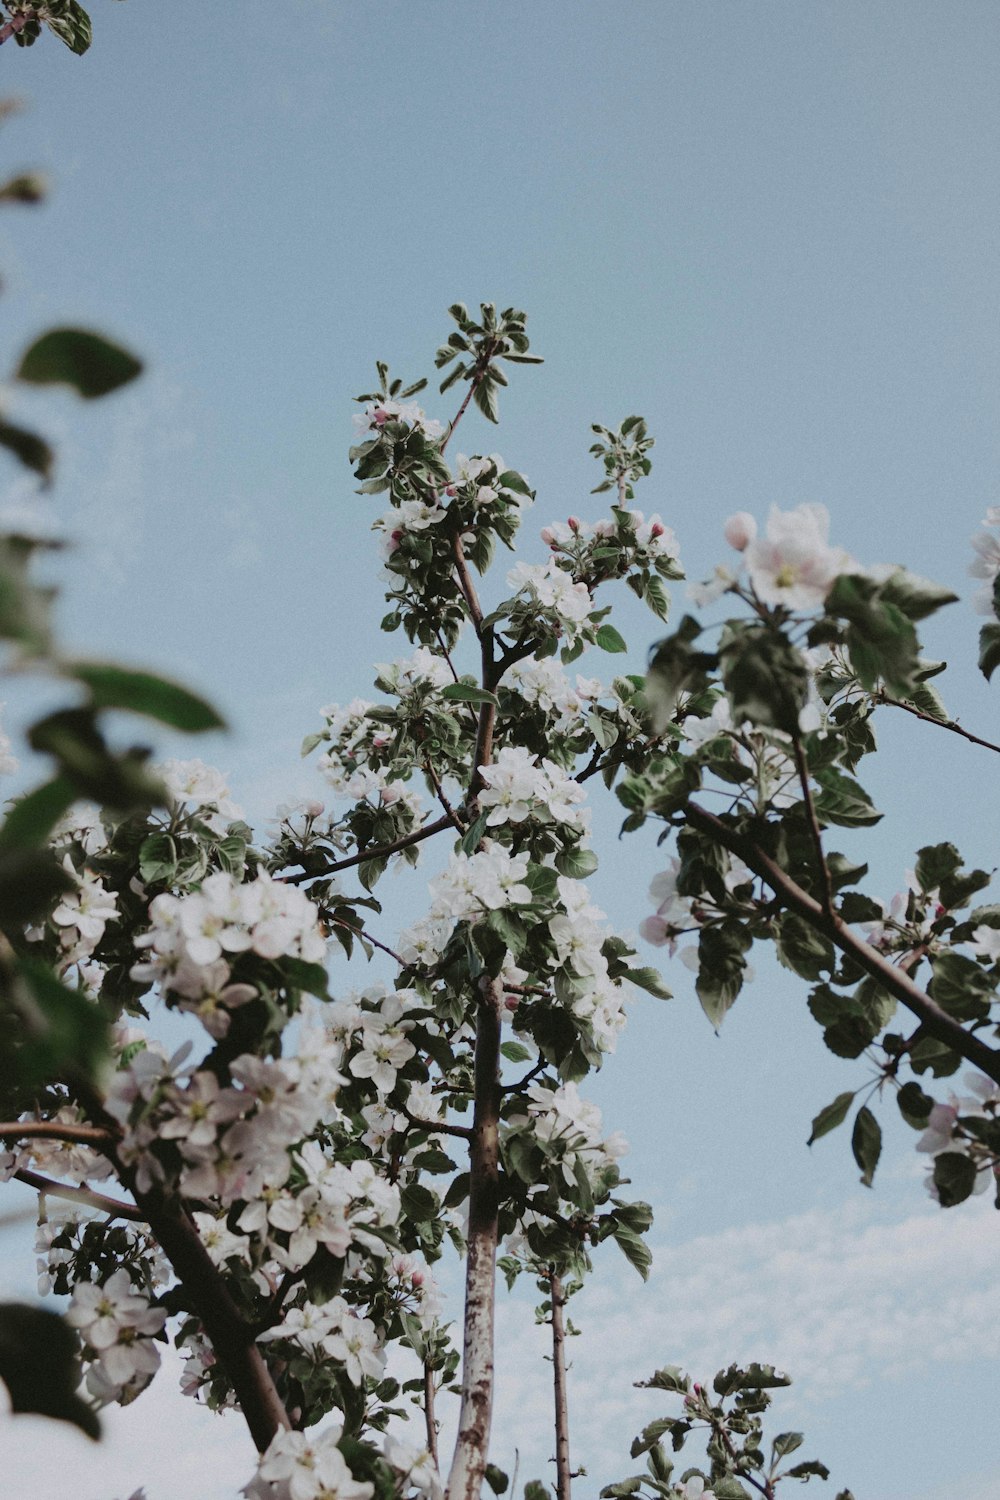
{"x": 740, "y": 530}
{"x": 192, "y": 782}
{"x": 117, "y": 1324}
{"x": 794, "y": 565}
{"x": 84, "y": 912}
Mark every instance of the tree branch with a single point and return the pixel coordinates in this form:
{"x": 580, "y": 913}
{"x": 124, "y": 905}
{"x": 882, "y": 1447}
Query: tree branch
{"x": 54, "y": 1130}
{"x": 952, "y": 724}
{"x": 475, "y": 1416}
{"x": 52, "y": 1189}
{"x": 430, "y": 1423}
{"x": 381, "y": 851}
{"x": 935, "y": 1021}
{"x": 563, "y": 1471}
{"x": 12, "y": 27}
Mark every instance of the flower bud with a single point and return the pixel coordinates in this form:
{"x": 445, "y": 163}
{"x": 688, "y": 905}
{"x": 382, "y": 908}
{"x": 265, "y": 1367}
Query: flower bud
{"x": 573, "y": 522}
{"x": 740, "y": 530}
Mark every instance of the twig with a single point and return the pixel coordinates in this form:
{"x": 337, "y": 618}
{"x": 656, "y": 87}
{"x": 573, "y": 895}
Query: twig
{"x": 381, "y": 851}
{"x": 522, "y": 1083}
{"x": 936, "y": 1021}
{"x": 12, "y": 27}
{"x": 366, "y": 937}
{"x": 55, "y": 1130}
{"x": 439, "y": 789}
{"x": 110, "y": 1206}
{"x": 952, "y": 724}
{"x": 430, "y": 1423}
{"x": 438, "y": 1127}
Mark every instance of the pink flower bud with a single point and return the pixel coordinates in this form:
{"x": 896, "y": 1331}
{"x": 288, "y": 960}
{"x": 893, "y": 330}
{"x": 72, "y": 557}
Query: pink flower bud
{"x": 548, "y": 536}
{"x": 417, "y": 1278}
{"x": 740, "y": 530}
{"x": 314, "y": 809}
{"x": 510, "y": 1002}
{"x": 451, "y": 489}
{"x": 573, "y": 522}
{"x": 380, "y": 416}
{"x": 657, "y": 528}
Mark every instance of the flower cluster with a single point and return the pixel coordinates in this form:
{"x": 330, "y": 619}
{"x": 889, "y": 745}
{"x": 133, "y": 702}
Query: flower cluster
{"x": 377, "y": 415}
{"x": 192, "y": 783}
{"x": 117, "y": 1325}
{"x": 967, "y": 1128}
{"x": 517, "y": 788}
{"x": 551, "y": 591}
{"x": 987, "y": 563}
{"x": 194, "y": 939}
{"x": 793, "y": 564}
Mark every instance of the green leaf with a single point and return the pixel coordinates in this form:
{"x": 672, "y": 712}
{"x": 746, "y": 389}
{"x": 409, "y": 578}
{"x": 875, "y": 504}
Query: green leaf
{"x": 670, "y": 1378}
{"x": 831, "y": 1116}
{"x": 721, "y": 967}
{"x": 33, "y": 817}
{"x": 960, "y": 986}
{"x": 954, "y": 1177}
{"x": 515, "y": 1052}
{"x": 144, "y": 693}
{"x": 935, "y": 864}
{"x": 754, "y": 1377}
{"x": 72, "y": 356}
{"x": 989, "y": 649}
{"x": 464, "y": 692}
{"x": 301, "y": 975}
{"x": 914, "y": 1105}
{"x": 786, "y": 1442}
{"x": 801, "y": 948}
{"x": 40, "y": 1366}
{"x": 418, "y": 1203}
{"x": 841, "y": 800}
{"x": 72, "y": 26}
{"x": 157, "y": 858}
{"x": 496, "y": 1479}
{"x": 576, "y": 863}
{"x": 916, "y": 597}
{"x": 26, "y": 187}
{"x": 650, "y": 981}
{"x": 866, "y": 1143}
{"x": 608, "y": 639}
{"x": 634, "y": 1248}
{"x": 812, "y": 1468}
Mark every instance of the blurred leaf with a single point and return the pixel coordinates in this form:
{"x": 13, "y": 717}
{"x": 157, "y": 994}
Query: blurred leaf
{"x": 33, "y": 451}
{"x": 32, "y": 817}
{"x": 144, "y": 693}
{"x": 954, "y": 1177}
{"x": 63, "y": 1030}
{"x": 40, "y": 1366}
{"x": 27, "y": 187}
{"x": 91, "y": 364}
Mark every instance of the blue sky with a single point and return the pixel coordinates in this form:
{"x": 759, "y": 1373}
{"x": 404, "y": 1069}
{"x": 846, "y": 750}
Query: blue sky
{"x": 772, "y": 229}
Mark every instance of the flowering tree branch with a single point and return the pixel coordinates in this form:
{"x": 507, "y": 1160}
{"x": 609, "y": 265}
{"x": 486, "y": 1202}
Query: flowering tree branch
{"x": 918, "y": 713}
{"x": 50, "y": 1189}
{"x": 936, "y": 1022}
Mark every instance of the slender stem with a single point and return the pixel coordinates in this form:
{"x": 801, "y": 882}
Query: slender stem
{"x": 431, "y": 1424}
{"x": 466, "y": 584}
{"x": 381, "y": 851}
{"x": 366, "y": 937}
{"x": 814, "y": 830}
{"x": 936, "y": 1021}
{"x": 522, "y": 1083}
{"x": 475, "y": 1415}
{"x": 461, "y": 410}
{"x": 563, "y": 1471}
{"x": 54, "y": 1130}
{"x": 12, "y": 27}
{"x": 110, "y": 1206}
{"x": 439, "y": 790}
{"x": 951, "y": 724}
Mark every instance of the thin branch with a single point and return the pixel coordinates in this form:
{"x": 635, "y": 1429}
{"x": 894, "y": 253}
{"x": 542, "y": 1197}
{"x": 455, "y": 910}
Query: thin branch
{"x": 439, "y": 790}
{"x": 952, "y": 724}
{"x": 936, "y": 1021}
{"x": 461, "y": 410}
{"x": 429, "y": 1421}
{"x": 272, "y": 1312}
{"x": 564, "y": 1473}
{"x": 438, "y": 1127}
{"x": 802, "y": 766}
{"x": 16, "y": 24}
{"x": 110, "y": 1206}
{"x": 55, "y": 1130}
{"x": 381, "y": 851}
{"x": 522, "y": 1083}
{"x": 466, "y": 584}
{"x": 366, "y": 937}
